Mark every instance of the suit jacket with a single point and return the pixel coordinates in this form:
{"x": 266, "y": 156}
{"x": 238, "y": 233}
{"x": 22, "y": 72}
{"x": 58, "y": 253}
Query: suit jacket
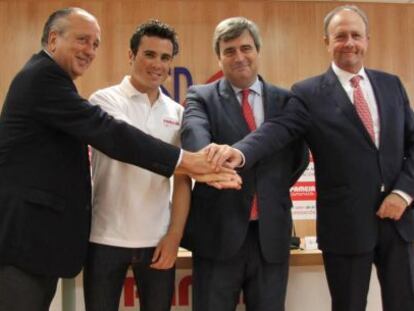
{"x": 45, "y": 186}
{"x": 352, "y": 175}
{"x": 219, "y": 219}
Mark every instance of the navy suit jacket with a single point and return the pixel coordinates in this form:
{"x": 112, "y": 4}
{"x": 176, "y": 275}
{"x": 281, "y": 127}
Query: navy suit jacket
{"x": 45, "y": 186}
{"x": 219, "y": 219}
{"x": 352, "y": 175}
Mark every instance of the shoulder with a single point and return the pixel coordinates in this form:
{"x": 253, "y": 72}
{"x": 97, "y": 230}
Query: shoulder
{"x": 378, "y": 74}
{"x": 171, "y": 107}
{"x": 275, "y": 90}
{"x": 310, "y": 82}
{"x": 204, "y": 89}
{"x": 111, "y": 98}
{"x": 108, "y": 93}
{"x": 41, "y": 68}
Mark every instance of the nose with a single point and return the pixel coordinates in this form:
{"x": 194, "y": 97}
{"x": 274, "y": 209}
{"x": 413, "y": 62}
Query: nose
{"x": 156, "y": 62}
{"x": 239, "y": 56}
{"x": 349, "y": 41}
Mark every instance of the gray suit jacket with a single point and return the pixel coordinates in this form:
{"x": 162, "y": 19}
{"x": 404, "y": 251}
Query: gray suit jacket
{"x": 219, "y": 219}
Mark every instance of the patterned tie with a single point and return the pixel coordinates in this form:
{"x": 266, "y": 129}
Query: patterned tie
{"x": 361, "y": 107}
{"x": 251, "y": 123}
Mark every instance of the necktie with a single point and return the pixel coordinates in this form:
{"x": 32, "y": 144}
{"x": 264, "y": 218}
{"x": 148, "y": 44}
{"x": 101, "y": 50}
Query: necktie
{"x": 361, "y": 107}
{"x": 251, "y": 123}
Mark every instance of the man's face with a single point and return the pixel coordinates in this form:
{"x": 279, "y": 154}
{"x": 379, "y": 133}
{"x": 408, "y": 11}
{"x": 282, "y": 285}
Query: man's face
{"x": 151, "y": 64}
{"x": 238, "y": 59}
{"x": 75, "y": 48}
{"x": 347, "y": 40}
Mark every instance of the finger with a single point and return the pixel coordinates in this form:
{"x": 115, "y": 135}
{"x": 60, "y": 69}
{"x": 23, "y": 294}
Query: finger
{"x": 381, "y": 211}
{"x": 211, "y": 150}
{"x": 218, "y": 155}
{"x": 156, "y": 255}
{"x": 215, "y": 184}
{"x": 230, "y": 185}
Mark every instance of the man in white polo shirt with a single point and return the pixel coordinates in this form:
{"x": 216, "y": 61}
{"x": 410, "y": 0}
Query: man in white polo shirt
{"x": 132, "y": 222}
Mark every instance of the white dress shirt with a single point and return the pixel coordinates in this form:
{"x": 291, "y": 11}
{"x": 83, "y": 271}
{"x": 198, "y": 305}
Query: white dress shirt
{"x": 344, "y": 78}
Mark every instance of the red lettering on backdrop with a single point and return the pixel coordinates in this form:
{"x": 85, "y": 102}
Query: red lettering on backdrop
{"x": 303, "y": 191}
{"x": 129, "y": 292}
{"x": 184, "y": 290}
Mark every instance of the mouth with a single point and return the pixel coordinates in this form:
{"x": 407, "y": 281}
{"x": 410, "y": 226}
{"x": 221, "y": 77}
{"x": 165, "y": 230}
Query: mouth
{"x": 83, "y": 61}
{"x": 154, "y": 75}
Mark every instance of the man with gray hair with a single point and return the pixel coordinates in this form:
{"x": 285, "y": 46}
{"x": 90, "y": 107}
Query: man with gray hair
{"x": 360, "y": 128}
{"x": 240, "y": 239}
{"x": 45, "y": 126}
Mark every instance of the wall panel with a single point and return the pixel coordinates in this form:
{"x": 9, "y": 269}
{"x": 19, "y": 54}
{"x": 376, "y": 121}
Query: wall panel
{"x": 293, "y": 46}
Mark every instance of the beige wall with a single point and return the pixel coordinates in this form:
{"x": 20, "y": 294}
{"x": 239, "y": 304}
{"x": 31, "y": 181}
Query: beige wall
{"x": 293, "y": 47}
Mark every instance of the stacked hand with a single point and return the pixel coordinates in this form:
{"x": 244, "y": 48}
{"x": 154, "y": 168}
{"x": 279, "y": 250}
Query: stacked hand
{"x": 210, "y": 165}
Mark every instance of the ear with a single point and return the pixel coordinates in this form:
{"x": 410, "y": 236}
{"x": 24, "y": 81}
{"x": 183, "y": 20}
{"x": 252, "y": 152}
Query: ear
{"x": 326, "y": 40}
{"x": 131, "y": 57}
{"x": 52, "y": 41}
{"x": 220, "y": 64}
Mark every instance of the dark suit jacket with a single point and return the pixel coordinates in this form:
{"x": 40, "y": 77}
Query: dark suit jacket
{"x": 45, "y": 187}
{"x": 219, "y": 219}
{"x": 352, "y": 175}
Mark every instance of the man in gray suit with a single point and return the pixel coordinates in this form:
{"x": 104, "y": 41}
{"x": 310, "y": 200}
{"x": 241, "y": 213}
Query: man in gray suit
{"x": 240, "y": 239}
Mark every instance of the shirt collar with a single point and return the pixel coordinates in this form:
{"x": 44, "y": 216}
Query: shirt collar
{"x": 256, "y": 87}
{"x": 48, "y": 53}
{"x": 345, "y": 76}
{"x": 131, "y": 91}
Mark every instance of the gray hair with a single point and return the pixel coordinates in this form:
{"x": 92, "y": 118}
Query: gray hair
{"x": 57, "y": 22}
{"x": 233, "y": 27}
{"x": 338, "y": 9}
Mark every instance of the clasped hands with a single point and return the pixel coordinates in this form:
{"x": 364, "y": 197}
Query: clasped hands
{"x": 214, "y": 165}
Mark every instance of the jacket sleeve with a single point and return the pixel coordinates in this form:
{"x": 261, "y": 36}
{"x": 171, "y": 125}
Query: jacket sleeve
{"x": 195, "y": 132}
{"x": 275, "y": 133}
{"x": 58, "y": 105}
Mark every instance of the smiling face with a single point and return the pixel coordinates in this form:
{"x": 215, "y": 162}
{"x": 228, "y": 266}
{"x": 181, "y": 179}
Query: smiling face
{"x": 75, "y": 47}
{"x": 238, "y": 58}
{"x": 347, "y": 40}
{"x": 151, "y": 64}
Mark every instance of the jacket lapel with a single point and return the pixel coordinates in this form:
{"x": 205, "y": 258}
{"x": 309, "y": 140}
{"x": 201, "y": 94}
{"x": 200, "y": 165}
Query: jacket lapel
{"x": 334, "y": 91}
{"x": 270, "y": 105}
{"x": 380, "y": 98}
{"x": 231, "y": 107}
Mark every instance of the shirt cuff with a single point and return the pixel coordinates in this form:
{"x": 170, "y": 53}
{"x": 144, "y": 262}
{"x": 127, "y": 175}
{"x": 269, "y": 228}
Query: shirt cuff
{"x": 243, "y": 162}
{"x": 180, "y": 158}
{"x": 408, "y": 198}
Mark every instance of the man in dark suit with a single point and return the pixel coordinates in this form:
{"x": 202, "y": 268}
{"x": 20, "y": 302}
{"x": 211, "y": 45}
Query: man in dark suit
{"x": 44, "y": 168}
{"x": 240, "y": 239}
{"x": 360, "y": 129}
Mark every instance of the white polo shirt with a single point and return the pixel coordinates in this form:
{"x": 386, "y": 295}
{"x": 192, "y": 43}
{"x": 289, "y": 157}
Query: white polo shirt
{"x": 130, "y": 205}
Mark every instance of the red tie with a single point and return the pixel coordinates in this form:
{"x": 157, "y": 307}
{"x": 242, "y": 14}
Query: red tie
{"x": 361, "y": 107}
{"x": 251, "y": 123}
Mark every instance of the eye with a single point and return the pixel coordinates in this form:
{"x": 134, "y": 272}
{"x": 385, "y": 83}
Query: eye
{"x": 166, "y": 57}
{"x": 149, "y": 54}
{"x": 246, "y": 48}
{"x": 356, "y": 36}
{"x": 82, "y": 39}
{"x": 229, "y": 52}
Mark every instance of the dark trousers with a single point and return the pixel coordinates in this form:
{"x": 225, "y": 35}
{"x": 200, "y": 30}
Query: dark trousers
{"x": 349, "y": 275}
{"x": 105, "y": 272}
{"x": 24, "y": 291}
{"x": 217, "y": 284}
